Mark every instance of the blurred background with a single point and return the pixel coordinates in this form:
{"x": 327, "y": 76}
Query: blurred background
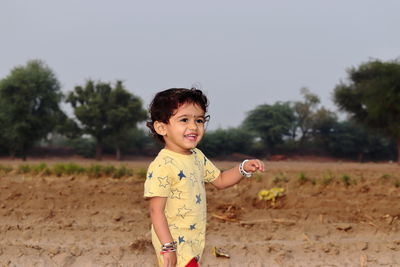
{"x": 284, "y": 79}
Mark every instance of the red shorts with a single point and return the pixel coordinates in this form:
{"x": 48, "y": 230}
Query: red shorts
{"x": 192, "y": 263}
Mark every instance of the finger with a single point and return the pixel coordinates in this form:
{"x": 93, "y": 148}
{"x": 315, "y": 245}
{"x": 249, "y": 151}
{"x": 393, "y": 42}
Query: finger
{"x": 259, "y": 165}
{"x": 256, "y": 164}
{"x": 252, "y": 166}
{"x": 262, "y": 166}
{"x": 166, "y": 262}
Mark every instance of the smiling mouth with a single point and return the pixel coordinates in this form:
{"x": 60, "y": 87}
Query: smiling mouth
{"x": 191, "y": 137}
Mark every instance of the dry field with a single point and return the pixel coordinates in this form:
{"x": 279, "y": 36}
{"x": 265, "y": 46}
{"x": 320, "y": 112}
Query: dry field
{"x": 332, "y": 214}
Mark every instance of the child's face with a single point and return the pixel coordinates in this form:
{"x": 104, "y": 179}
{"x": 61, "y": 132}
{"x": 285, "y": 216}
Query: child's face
{"x": 185, "y": 128}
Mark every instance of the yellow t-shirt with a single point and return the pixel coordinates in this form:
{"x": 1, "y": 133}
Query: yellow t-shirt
{"x": 180, "y": 178}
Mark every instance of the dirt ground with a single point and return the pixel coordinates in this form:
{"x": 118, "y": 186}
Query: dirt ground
{"x": 331, "y": 214}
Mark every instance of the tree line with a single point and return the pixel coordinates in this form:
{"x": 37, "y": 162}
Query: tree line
{"x": 107, "y": 117}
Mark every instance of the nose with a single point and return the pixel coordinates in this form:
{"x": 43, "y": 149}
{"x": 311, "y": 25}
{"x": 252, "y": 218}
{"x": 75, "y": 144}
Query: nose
{"x": 192, "y": 124}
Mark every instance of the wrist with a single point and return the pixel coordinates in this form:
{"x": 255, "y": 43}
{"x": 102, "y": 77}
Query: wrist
{"x": 162, "y": 252}
{"x": 242, "y": 171}
{"x": 168, "y": 247}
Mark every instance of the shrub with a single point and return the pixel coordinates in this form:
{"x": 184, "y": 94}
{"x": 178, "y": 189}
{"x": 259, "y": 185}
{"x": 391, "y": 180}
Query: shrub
{"x": 346, "y": 180}
{"x": 5, "y": 169}
{"x": 73, "y": 168}
{"x": 47, "y": 171}
{"x": 313, "y": 181}
{"x": 141, "y": 173}
{"x": 257, "y": 177}
{"x": 280, "y": 178}
{"x": 24, "y": 168}
{"x": 122, "y": 171}
{"x": 94, "y": 171}
{"x": 109, "y": 170}
{"x": 326, "y": 180}
{"x": 59, "y": 169}
{"x": 40, "y": 168}
{"x": 303, "y": 178}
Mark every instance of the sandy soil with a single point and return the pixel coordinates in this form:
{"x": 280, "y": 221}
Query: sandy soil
{"x": 324, "y": 219}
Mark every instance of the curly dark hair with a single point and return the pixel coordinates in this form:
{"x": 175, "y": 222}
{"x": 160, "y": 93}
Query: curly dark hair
{"x": 166, "y": 102}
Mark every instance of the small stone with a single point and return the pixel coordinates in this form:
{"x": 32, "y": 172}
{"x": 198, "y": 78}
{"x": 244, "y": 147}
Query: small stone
{"x": 27, "y": 235}
{"x": 118, "y": 218}
{"x": 75, "y": 251}
{"x": 362, "y": 245}
{"x": 393, "y": 246}
{"x": 54, "y": 251}
{"x": 268, "y": 238}
{"x": 343, "y": 227}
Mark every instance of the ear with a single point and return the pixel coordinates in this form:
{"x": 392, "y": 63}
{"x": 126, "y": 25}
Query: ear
{"x": 160, "y": 128}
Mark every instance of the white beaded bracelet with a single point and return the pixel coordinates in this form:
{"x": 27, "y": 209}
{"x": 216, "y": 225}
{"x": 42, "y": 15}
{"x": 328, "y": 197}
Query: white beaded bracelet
{"x": 242, "y": 171}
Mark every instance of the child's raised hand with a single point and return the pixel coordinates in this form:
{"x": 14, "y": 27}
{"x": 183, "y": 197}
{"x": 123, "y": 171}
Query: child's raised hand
{"x": 169, "y": 259}
{"x": 253, "y": 165}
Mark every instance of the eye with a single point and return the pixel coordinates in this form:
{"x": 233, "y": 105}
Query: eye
{"x": 184, "y": 120}
{"x": 200, "y": 121}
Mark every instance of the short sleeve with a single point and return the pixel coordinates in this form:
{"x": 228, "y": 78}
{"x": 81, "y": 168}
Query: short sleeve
{"x": 158, "y": 181}
{"x": 211, "y": 172}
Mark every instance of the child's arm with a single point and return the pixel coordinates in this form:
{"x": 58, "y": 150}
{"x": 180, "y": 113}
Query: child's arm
{"x": 233, "y": 176}
{"x": 160, "y": 224}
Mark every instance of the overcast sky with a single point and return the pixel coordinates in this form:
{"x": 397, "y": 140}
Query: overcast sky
{"x": 241, "y": 53}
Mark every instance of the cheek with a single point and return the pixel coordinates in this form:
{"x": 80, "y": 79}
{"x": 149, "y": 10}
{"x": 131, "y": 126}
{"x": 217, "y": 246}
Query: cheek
{"x": 201, "y": 132}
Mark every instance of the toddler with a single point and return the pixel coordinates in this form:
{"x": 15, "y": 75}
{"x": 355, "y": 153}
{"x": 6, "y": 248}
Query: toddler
{"x": 175, "y": 178}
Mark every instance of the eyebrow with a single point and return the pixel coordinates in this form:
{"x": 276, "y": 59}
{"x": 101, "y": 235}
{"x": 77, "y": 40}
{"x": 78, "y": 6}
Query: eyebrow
{"x": 186, "y": 115}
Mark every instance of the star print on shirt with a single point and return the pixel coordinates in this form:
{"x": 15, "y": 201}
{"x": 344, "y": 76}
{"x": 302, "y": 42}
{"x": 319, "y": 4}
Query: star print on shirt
{"x": 181, "y": 239}
{"x": 172, "y": 226}
{"x": 201, "y": 234}
{"x": 192, "y": 178}
{"x": 198, "y": 199}
{"x": 163, "y": 181}
{"x": 209, "y": 175}
{"x": 194, "y": 243}
{"x": 149, "y": 193}
{"x": 181, "y": 175}
{"x": 192, "y": 227}
{"x": 197, "y": 162}
{"x": 150, "y": 175}
{"x": 175, "y": 193}
{"x": 168, "y": 160}
{"x": 183, "y": 212}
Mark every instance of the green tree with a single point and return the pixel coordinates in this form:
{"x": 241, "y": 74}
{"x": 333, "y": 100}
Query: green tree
{"x": 136, "y": 141}
{"x": 124, "y": 114}
{"x": 372, "y": 97}
{"x": 304, "y": 113}
{"x": 352, "y": 140}
{"x": 29, "y": 106}
{"x": 270, "y": 123}
{"x": 105, "y": 112}
{"x": 223, "y": 142}
{"x": 322, "y": 127}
